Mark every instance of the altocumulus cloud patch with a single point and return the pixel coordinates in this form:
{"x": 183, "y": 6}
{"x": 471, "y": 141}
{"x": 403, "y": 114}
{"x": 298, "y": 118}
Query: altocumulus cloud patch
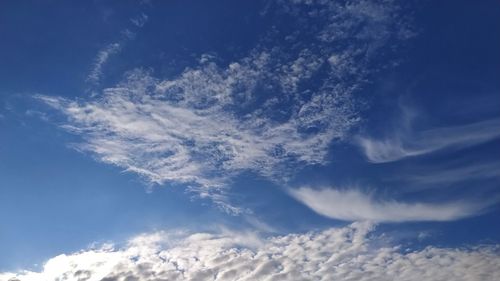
{"x": 347, "y": 253}
{"x": 270, "y": 112}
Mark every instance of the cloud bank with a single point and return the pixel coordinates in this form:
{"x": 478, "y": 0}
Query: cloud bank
{"x": 353, "y": 205}
{"x": 348, "y": 253}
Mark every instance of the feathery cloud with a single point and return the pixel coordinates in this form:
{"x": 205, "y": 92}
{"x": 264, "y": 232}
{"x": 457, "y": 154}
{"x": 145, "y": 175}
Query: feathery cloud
{"x": 353, "y": 205}
{"x": 260, "y": 113}
{"x": 101, "y": 59}
{"x": 96, "y": 73}
{"x": 404, "y": 144}
{"x": 436, "y": 176}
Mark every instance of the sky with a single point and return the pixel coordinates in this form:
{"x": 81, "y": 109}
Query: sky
{"x": 249, "y": 140}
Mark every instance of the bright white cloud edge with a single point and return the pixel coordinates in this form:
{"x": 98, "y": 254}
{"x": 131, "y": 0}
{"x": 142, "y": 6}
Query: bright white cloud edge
{"x": 347, "y": 253}
{"x": 352, "y": 205}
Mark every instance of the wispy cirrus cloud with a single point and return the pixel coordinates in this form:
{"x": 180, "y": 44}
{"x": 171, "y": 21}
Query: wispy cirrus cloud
{"x": 470, "y": 172}
{"x": 348, "y": 253}
{"x": 354, "y": 205}
{"x": 407, "y": 143}
{"x": 260, "y": 113}
{"x": 184, "y": 130}
{"x": 102, "y": 57}
{"x": 95, "y": 75}
{"x": 448, "y": 175}
{"x": 140, "y": 20}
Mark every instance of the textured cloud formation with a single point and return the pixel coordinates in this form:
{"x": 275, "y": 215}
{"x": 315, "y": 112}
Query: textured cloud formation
{"x": 349, "y": 253}
{"x": 276, "y": 109}
{"x": 352, "y": 205}
{"x": 406, "y": 145}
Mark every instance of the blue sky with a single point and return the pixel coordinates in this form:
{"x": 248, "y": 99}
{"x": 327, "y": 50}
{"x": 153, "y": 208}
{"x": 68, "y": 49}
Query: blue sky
{"x": 153, "y": 132}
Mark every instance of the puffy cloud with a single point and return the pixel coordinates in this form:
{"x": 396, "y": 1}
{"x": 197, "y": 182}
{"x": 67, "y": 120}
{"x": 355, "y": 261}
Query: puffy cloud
{"x": 270, "y": 112}
{"x": 352, "y": 205}
{"x": 348, "y": 253}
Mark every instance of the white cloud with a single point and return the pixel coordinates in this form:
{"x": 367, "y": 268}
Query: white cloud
{"x": 96, "y": 73}
{"x": 353, "y": 205}
{"x": 406, "y": 144}
{"x": 348, "y": 253}
{"x": 435, "y": 176}
{"x": 276, "y": 109}
{"x": 101, "y": 59}
{"x": 140, "y": 20}
{"x": 185, "y": 130}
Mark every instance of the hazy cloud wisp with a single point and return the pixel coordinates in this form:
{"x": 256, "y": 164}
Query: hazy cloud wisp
{"x": 354, "y": 205}
{"x": 418, "y": 143}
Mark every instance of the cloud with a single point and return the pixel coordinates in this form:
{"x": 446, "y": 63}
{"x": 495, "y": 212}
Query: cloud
{"x": 465, "y": 173}
{"x": 96, "y": 73}
{"x": 101, "y": 58}
{"x": 405, "y": 144}
{"x": 270, "y": 112}
{"x": 447, "y": 175}
{"x": 353, "y": 205}
{"x": 140, "y": 20}
{"x": 191, "y": 130}
{"x": 349, "y": 253}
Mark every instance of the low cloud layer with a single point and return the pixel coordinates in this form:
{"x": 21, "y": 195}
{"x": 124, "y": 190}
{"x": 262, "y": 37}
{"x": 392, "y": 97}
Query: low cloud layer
{"x": 348, "y": 253}
{"x": 353, "y": 205}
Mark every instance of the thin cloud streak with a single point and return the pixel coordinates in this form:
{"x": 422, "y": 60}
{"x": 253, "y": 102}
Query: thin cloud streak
{"x": 445, "y": 176}
{"x": 96, "y": 73}
{"x": 102, "y": 57}
{"x": 354, "y": 205}
{"x": 405, "y": 145}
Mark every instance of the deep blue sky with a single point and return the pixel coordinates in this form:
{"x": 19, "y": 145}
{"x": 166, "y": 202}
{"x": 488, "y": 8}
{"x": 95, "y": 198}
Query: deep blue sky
{"x": 55, "y": 198}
